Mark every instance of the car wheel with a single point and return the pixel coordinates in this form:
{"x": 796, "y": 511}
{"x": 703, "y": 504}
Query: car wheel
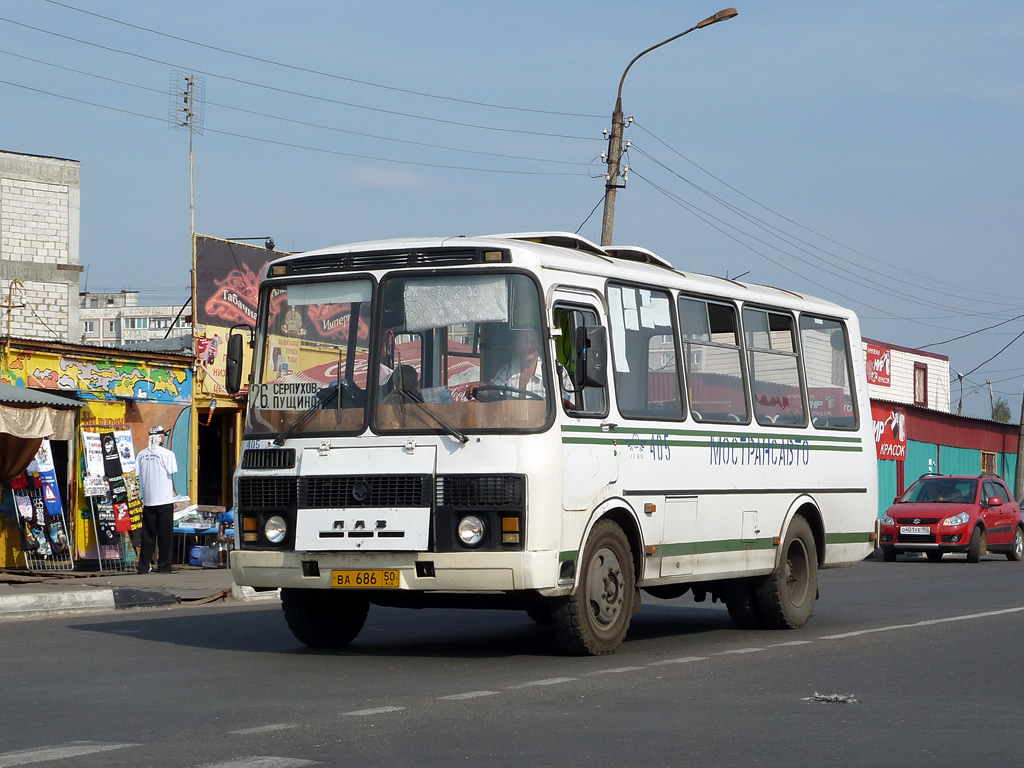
{"x": 934, "y": 556}
{"x": 977, "y": 546}
{"x": 889, "y": 555}
{"x": 1016, "y": 550}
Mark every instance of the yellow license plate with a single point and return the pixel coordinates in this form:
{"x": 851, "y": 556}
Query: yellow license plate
{"x": 376, "y": 579}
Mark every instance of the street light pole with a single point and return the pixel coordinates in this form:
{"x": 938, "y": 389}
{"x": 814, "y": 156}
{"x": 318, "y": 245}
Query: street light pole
{"x": 615, "y": 139}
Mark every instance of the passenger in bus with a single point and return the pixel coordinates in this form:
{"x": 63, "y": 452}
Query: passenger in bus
{"x": 525, "y": 370}
{"x": 404, "y": 385}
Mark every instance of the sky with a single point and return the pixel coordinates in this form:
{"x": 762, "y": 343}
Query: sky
{"x": 869, "y": 153}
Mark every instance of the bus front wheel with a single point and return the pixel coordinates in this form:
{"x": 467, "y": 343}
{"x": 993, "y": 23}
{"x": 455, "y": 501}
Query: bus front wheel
{"x": 324, "y": 619}
{"x": 785, "y": 598}
{"x": 594, "y": 621}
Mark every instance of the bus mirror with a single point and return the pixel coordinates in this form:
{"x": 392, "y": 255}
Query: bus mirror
{"x": 233, "y": 368}
{"x": 591, "y": 346}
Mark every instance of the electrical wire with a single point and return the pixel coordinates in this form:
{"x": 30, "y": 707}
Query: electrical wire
{"x": 264, "y": 114}
{"x": 314, "y": 97}
{"x": 264, "y": 60}
{"x": 972, "y": 333}
{"x": 889, "y": 266}
{"x": 300, "y": 146}
{"x": 591, "y": 213}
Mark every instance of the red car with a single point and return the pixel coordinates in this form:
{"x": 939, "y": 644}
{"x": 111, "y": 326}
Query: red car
{"x": 954, "y": 513}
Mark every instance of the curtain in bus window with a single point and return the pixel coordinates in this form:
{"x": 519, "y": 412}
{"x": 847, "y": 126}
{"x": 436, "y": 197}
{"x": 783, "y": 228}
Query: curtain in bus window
{"x": 826, "y": 355}
{"x": 712, "y": 361}
{"x": 774, "y": 369}
{"x": 644, "y": 353}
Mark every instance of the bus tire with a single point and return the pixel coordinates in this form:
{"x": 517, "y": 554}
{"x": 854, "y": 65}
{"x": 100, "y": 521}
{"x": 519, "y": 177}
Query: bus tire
{"x": 324, "y": 619}
{"x": 540, "y": 612}
{"x": 594, "y": 621}
{"x": 742, "y": 604}
{"x": 785, "y": 598}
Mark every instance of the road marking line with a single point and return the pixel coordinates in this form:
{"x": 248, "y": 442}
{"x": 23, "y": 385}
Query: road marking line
{"x": 263, "y": 761}
{"x": 44, "y": 754}
{"x": 737, "y": 650}
{"x": 374, "y": 711}
{"x": 264, "y": 728}
{"x": 470, "y": 695}
{"x": 549, "y": 681}
{"x": 791, "y": 643}
{"x": 681, "y": 660}
{"x": 614, "y": 671}
{"x": 925, "y": 623}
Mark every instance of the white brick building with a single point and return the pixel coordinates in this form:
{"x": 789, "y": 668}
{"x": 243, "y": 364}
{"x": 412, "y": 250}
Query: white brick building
{"x": 116, "y": 319}
{"x": 39, "y": 233}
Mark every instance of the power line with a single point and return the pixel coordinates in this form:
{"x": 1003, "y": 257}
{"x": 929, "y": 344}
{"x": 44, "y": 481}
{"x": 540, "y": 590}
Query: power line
{"x": 298, "y": 93}
{"x": 293, "y": 121}
{"x": 972, "y": 333}
{"x": 308, "y": 70}
{"x": 887, "y": 265}
{"x": 299, "y": 146}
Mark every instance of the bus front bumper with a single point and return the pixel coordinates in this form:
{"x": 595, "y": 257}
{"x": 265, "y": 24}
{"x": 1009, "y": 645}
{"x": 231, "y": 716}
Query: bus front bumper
{"x": 423, "y": 571}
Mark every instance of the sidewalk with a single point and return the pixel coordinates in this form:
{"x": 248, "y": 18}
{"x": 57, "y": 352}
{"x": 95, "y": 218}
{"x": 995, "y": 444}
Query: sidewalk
{"x": 27, "y": 595}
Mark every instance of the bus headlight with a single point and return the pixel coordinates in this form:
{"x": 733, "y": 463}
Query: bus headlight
{"x": 471, "y": 530}
{"x": 275, "y": 529}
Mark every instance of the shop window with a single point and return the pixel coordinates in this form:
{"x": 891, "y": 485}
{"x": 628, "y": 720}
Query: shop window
{"x": 988, "y": 463}
{"x": 921, "y": 384}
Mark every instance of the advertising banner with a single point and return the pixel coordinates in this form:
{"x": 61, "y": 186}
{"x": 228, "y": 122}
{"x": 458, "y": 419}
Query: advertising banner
{"x": 227, "y": 294}
{"x": 879, "y": 362}
{"x": 890, "y": 432}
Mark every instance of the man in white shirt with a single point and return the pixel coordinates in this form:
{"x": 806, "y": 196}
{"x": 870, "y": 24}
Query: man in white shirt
{"x": 156, "y": 467}
{"x": 525, "y": 370}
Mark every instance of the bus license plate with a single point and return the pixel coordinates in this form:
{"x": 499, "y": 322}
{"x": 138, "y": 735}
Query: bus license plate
{"x": 376, "y": 579}
{"x": 915, "y": 529}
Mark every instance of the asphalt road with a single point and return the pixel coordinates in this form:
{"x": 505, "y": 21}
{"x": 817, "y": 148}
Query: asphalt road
{"x": 929, "y": 653}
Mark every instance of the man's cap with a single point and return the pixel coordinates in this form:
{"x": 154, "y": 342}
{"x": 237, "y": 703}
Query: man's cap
{"x": 157, "y": 430}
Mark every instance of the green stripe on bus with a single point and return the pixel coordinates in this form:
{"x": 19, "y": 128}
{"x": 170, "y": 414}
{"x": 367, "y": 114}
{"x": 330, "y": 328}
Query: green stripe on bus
{"x": 708, "y": 433}
{"x": 564, "y": 557}
{"x": 613, "y": 441}
{"x": 848, "y": 538}
{"x": 710, "y": 547}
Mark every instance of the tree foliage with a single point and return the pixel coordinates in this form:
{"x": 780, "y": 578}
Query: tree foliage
{"x": 1001, "y": 411}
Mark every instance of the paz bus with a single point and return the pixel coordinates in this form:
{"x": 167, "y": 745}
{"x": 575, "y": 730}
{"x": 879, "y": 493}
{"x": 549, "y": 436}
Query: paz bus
{"x": 531, "y": 421}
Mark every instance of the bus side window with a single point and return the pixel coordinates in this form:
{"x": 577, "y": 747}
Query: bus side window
{"x": 644, "y": 353}
{"x": 826, "y": 354}
{"x": 576, "y": 400}
{"x": 713, "y": 361}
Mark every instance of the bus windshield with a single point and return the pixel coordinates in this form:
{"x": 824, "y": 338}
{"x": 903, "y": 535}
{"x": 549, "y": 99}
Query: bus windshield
{"x": 464, "y": 352}
{"x": 314, "y": 347}
{"x": 454, "y": 354}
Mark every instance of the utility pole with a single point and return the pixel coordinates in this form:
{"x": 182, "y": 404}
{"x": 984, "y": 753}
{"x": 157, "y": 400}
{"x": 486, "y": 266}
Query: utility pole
{"x": 991, "y": 401}
{"x": 615, "y": 138}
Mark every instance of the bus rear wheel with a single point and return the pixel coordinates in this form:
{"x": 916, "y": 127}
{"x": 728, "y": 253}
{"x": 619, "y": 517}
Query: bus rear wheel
{"x": 741, "y": 600}
{"x": 785, "y": 598}
{"x": 324, "y": 619}
{"x": 594, "y": 621}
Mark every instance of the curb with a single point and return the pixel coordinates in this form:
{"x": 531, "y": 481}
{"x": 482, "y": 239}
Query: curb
{"x": 56, "y": 603}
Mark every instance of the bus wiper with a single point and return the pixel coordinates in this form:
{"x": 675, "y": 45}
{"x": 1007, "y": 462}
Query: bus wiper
{"x": 324, "y": 398}
{"x": 413, "y": 397}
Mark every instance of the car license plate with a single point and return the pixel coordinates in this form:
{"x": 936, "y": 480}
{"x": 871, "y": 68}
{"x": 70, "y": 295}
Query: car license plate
{"x": 915, "y": 529}
{"x": 375, "y": 579}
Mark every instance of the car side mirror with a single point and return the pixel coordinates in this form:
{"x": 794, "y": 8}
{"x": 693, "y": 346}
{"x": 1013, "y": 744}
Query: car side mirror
{"x": 591, "y": 346}
{"x": 995, "y": 501}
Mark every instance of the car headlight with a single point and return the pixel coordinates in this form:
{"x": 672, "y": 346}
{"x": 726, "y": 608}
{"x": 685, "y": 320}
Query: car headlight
{"x": 471, "y": 530}
{"x": 886, "y": 520}
{"x": 275, "y": 529}
{"x": 960, "y": 519}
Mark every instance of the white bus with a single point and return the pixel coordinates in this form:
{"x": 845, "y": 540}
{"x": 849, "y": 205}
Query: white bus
{"x": 532, "y": 421}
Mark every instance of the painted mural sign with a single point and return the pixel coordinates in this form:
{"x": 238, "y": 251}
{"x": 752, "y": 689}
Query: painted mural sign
{"x": 879, "y": 362}
{"x": 890, "y": 432}
{"x": 103, "y": 378}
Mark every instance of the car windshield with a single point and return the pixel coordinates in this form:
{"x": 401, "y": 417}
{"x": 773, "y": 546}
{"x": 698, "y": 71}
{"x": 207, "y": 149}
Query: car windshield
{"x": 943, "y": 490}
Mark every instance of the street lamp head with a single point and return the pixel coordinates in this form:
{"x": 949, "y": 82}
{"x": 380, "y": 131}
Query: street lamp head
{"x": 722, "y": 15}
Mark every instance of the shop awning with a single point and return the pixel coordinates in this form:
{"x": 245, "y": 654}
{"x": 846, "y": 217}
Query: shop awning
{"x": 27, "y": 413}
